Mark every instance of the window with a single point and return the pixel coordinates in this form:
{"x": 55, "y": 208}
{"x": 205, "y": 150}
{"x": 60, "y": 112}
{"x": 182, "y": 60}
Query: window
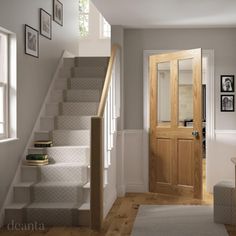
{"x": 84, "y": 18}
{"x": 105, "y": 28}
{"x": 3, "y": 85}
{"x": 8, "y": 86}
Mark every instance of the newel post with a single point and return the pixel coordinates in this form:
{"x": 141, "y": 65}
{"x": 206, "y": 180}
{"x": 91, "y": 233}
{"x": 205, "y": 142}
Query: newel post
{"x": 96, "y": 176}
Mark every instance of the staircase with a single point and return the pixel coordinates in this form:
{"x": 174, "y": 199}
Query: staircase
{"x": 58, "y": 194}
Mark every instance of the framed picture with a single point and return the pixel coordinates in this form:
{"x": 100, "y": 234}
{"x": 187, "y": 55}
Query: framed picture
{"x": 31, "y": 41}
{"x": 45, "y": 24}
{"x": 227, "y": 83}
{"x": 58, "y": 12}
{"x": 227, "y": 103}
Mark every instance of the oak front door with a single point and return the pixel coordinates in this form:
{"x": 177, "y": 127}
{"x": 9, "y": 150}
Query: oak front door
{"x": 175, "y": 164}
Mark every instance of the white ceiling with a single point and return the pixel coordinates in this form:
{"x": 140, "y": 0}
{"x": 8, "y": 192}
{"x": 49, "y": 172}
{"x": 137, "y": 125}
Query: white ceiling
{"x": 168, "y": 13}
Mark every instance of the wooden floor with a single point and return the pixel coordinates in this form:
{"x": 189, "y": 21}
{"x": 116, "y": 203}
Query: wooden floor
{"x": 121, "y": 217}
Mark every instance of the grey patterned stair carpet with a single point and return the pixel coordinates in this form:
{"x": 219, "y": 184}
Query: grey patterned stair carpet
{"x": 176, "y": 220}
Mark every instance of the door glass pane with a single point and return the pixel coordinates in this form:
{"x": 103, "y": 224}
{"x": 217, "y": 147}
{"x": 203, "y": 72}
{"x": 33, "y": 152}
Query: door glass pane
{"x": 163, "y": 94}
{"x": 186, "y": 93}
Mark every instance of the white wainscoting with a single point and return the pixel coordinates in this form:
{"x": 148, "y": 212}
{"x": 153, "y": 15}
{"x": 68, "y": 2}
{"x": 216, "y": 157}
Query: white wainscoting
{"x": 132, "y": 158}
{"x": 219, "y": 152}
{"x": 132, "y": 161}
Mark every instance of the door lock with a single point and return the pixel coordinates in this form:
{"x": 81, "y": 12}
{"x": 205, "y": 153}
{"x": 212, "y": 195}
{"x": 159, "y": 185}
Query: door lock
{"x": 195, "y": 133}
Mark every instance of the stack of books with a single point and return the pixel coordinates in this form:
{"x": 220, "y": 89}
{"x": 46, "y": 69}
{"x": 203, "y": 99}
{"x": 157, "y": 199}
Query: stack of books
{"x": 36, "y": 159}
{"x": 43, "y": 143}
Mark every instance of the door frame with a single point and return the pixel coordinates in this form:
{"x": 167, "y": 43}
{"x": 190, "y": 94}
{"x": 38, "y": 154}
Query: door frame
{"x": 210, "y": 105}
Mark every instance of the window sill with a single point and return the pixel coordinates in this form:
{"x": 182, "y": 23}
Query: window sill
{"x": 8, "y": 140}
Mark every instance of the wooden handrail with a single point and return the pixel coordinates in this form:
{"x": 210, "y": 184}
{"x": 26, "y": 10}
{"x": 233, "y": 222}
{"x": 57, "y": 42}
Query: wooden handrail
{"x": 107, "y": 81}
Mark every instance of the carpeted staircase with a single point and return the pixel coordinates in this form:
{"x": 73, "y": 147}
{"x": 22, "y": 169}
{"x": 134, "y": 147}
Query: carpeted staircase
{"x": 58, "y": 194}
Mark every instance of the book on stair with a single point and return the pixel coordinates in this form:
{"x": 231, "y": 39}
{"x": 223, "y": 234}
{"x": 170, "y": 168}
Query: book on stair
{"x": 36, "y": 162}
{"x": 43, "y": 143}
{"x": 37, "y": 157}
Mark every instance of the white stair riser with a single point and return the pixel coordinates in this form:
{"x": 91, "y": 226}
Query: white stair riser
{"x": 84, "y": 217}
{"x": 91, "y": 71}
{"x": 42, "y": 136}
{"x": 52, "y": 109}
{"x": 80, "y": 155}
{"x": 52, "y": 173}
{"x": 22, "y": 194}
{"x": 51, "y": 217}
{"x": 47, "y": 217}
{"x": 78, "y": 95}
{"x": 73, "y": 122}
{"x": 86, "y": 83}
{"x": 71, "y": 137}
{"x": 69, "y": 62}
{"x": 14, "y": 216}
{"x": 65, "y": 72}
{"x": 92, "y": 61}
{"x": 57, "y": 96}
{"x": 79, "y": 109}
{"x": 61, "y": 83}
{"x": 86, "y": 195}
{"x": 47, "y": 123}
{"x": 57, "y": 194}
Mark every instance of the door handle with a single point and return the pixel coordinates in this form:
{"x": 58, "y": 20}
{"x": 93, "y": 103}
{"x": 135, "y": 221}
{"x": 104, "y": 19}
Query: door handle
{"x": 195, "y": 133}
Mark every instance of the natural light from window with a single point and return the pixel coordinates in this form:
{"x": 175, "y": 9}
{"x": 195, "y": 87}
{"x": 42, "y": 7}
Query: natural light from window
{"x": 105, "y": 28}
{"x": 3, "y": 84}
{"x": 84, "y": 18}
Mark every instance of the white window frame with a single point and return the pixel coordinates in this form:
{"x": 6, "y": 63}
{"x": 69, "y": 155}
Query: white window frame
{"x": 9, "y": 83}
{"x": 102, "y": 24}
{"x": 5, "y": 85}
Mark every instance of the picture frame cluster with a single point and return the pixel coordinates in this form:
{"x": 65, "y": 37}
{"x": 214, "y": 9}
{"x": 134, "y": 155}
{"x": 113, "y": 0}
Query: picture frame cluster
{"x": 45, "y": 28}
{"x": 227, "y": 86}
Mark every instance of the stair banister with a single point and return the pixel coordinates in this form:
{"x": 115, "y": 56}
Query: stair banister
{"x": 97, "y": 149}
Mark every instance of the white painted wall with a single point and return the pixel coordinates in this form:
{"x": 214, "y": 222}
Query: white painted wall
{"x": 33, "y": 75}
{"x": 94, "y": 45}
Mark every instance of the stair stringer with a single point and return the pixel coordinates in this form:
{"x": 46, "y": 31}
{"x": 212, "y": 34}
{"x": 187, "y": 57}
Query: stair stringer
{"x": 16, "y": 178}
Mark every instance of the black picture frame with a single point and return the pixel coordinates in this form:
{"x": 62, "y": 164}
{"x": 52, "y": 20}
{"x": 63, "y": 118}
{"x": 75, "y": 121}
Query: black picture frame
{"x": 31, "y": 41}
{"x": 58, "y": 12}
{"x": 227, "y": 103}
{"x": 227, "y": 83}
{"x": 45, "y": 24}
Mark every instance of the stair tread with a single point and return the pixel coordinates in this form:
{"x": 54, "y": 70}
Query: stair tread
{"x": 60, "y": 164}
{"x": 58, "y": 147}
{"x": 87, "y": 186}
{"x": 58, "y": 184}
{"x": 42, "y": 131}
{"x": 16, "y": 205}
{"x": 74, "y": 116}
{"x": 24, "y": 184}
{"x": 80, "y": 102}
{"x": 53, "y": 205}
{"x": 71, "y": 130}
{"x": 85, "y": 206}
{"x": 90, "y": 77}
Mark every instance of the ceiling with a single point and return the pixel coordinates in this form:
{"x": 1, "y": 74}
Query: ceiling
{"x": 168, "y": 13}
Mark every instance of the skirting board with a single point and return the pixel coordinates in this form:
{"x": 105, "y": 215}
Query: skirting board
{"x": 135, "y": 188}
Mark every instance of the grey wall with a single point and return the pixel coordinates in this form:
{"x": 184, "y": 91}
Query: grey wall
{"x": 223, "y": 41}
{"x": 33, "y": 75}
